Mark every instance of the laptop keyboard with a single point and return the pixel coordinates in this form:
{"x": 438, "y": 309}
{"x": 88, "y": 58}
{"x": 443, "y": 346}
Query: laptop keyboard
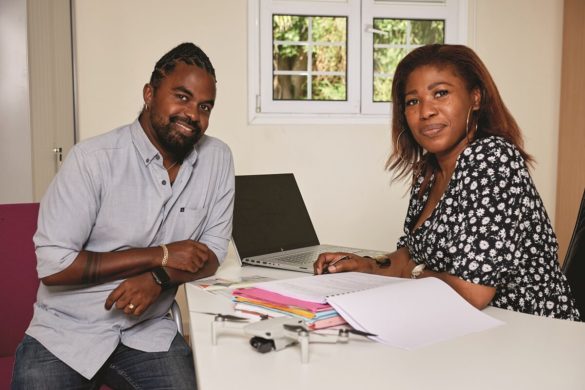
{"x": 307, "y": 257}
{"x": 299, "y": 258}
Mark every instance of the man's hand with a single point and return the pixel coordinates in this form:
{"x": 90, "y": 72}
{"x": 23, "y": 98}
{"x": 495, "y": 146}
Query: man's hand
{"x": 187, "y": 255}
{"x": 134, "y": 295}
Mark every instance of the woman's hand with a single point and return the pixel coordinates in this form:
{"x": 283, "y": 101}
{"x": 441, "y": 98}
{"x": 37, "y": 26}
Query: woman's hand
{"x": 344, "y": 262}
{"x": 332, "y": 262}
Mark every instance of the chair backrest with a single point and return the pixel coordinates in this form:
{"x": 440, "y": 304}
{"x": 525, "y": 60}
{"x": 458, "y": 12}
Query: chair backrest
{"x": 574, "y": 265}
{"x": 18, "y": 280}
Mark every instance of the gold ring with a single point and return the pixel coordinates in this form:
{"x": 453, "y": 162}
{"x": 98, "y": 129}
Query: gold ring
{"x": 131, "y": 306}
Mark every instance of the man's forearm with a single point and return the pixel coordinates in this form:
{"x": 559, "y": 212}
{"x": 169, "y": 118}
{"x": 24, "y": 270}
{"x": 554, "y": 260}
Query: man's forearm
{"x": 93, "y": 267}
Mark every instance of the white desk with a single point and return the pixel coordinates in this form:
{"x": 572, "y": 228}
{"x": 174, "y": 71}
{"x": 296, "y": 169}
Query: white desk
{"x": 529, "y": 352}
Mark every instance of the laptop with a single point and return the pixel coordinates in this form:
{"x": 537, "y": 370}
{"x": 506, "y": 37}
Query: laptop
{"x": 272, "y": 227}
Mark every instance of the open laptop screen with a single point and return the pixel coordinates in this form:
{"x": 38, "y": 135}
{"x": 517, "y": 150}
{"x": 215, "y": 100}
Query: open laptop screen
{"x": 270, "y": 215}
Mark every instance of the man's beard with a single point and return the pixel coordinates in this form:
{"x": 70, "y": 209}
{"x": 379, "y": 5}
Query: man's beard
{"x": 174, "y": 142}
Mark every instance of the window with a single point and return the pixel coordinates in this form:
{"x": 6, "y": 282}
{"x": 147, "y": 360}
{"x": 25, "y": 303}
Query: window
{"x": 332, "y": 61}
{"x": 309, "y": 57}
{"x": 393, "y": 39}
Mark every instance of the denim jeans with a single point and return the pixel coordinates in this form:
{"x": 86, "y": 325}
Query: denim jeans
{"x": 36, "y": 368}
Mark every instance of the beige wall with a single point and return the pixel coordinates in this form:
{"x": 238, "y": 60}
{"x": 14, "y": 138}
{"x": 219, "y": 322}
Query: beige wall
{"x": 521, "y": 43}
{"x": 339, "y": 167}
{"x": 16, "y": 184}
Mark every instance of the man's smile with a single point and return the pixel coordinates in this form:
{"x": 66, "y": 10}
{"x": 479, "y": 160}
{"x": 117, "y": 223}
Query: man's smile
{"x": 184, "y": 127}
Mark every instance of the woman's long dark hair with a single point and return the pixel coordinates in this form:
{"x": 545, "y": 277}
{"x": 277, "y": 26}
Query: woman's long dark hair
{"x": 492, "y": 118}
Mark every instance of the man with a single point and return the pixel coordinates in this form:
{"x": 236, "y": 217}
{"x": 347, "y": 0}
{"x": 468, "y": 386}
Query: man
{"x": 131, "y": 215}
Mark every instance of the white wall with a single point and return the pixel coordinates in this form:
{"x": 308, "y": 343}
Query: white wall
{"x": 339, "y": 167}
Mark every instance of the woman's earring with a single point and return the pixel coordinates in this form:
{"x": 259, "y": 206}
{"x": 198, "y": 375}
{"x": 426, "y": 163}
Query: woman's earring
{"x": 467, "y": 126}
{"x": 398, "y": 151}
{"x": 145, "y": 107}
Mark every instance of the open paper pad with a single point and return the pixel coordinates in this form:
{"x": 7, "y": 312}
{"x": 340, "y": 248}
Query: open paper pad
{"x": 404, "y": 313}
{"x": 319, "y": 288}
{"x": 411, "y": 314}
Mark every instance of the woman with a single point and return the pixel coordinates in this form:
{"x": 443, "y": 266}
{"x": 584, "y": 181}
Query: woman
{"x": 475, "y": 219}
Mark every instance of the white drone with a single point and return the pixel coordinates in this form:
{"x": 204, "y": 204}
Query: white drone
{"x": 278, "y": 333}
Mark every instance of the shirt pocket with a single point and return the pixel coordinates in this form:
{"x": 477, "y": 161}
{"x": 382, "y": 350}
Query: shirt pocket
{"x": 190, "y": 223}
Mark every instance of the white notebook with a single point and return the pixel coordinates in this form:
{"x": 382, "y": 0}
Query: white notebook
{"x": 403, "y": 313}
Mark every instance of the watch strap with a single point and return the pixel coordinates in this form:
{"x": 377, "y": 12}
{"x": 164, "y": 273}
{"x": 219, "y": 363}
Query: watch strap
{"x": 383, "y": 261}
{"x": 161, "y": 277}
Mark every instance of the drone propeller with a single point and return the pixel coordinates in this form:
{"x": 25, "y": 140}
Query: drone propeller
{"x": 300, "y": 328}
{"x": 295, "y": 328}
{"x": 360, "y": 333}
{"x": 227, "y": 317}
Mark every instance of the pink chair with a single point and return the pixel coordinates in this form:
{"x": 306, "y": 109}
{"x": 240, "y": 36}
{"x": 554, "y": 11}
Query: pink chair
{"x": 19, "y": 281}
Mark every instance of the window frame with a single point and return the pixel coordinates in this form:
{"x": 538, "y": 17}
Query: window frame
{"x": 359, "y": 106}
{"x": 312, "y": 47}
{"x": 270, "y": 106}
{"x": 376, "y": 9}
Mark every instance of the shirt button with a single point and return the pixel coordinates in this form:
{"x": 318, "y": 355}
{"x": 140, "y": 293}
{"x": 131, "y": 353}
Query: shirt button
{"x": 147, "y": 160}
{"x": 157, "y": 157}
{"x": 164, "y": 182}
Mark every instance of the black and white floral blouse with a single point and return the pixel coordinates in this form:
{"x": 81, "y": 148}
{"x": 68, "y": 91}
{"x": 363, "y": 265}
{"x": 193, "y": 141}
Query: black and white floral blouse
{"x": 491, "y": 228}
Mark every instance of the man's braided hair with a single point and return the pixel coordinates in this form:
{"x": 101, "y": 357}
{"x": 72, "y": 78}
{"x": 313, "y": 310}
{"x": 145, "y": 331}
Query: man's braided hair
{"x": 188, "y": 53}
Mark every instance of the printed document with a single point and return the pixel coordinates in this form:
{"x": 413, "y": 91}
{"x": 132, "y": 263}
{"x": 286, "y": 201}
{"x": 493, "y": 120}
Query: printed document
{"x": 403, "y": 313}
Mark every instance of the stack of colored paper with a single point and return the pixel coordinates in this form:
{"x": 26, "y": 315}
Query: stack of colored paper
{"x": 404, "y": 313}
{"x": 263, "y": 302}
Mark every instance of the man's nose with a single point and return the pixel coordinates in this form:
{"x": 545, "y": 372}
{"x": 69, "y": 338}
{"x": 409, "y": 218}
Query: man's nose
{"x": 191, "y": 112}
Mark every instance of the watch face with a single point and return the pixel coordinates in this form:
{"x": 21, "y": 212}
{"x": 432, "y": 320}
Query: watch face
{"x": 160, "y": 276}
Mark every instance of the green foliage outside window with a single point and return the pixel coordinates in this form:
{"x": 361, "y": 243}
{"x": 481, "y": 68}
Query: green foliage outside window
{"x": 325, "y": 50}
{"x": 401, "y": 36}
{"x": 308, "y": 45}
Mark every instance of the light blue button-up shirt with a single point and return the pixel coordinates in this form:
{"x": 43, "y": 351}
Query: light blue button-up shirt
{"x": 113, "y": 193}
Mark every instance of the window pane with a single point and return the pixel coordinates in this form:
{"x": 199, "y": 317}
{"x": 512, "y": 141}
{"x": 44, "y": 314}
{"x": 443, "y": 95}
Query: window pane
{"x": 329, "y": 88}
{"x": 288, "y": 57}
{"x": 287, "y": 87}
{"x": 289, "y": 28}
{"x": 382, "y": 89}
{"x": 393, "y": 39}
{"x": 329, "y": 59}
{"x": 425, "y": 32}
{"x": 395, "y": 31}
{"x": 329, "y": 29}
{"x": 309, "y": 48}
{"x": 386, "y": 60}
